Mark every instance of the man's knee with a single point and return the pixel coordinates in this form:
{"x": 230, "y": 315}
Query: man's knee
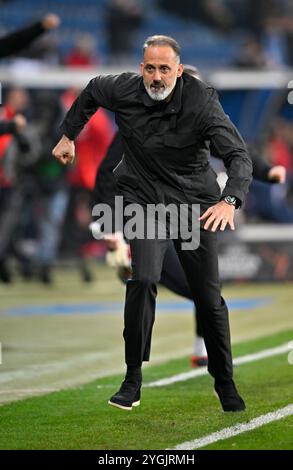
{"x": 146, "y": 281}
{"x": 146, "y": 274}
{"x": 211, "y": 304}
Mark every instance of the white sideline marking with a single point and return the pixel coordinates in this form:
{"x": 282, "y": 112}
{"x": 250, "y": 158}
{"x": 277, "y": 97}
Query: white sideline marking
{"x": 226, "y": 433}
{"x": 203, "y": 370}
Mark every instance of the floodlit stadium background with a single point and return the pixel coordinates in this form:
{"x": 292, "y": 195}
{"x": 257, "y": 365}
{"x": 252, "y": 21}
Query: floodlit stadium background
{"x": 62, "y": 328}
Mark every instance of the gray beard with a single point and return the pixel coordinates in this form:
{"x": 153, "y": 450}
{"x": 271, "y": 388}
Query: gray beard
{"x": 160, "y": 96}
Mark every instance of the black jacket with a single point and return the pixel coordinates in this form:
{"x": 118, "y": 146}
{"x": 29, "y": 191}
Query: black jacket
{"x": 105, "y": 190}
{"x": 165, "y": 141}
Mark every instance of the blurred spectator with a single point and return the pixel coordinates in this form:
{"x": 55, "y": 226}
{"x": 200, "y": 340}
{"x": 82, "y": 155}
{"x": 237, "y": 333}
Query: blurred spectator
{"x": 38, "y": 194}
{"x": 17, "y": 41}
{"x": 278, "y": 147}
{"x": 45, "y": 50}
{"x": 210, "y": 12}
{"x": 252, "y": 55}
{"x": 17, "y": 124}
{"x": 278, "y": 31}
{"x": 271, "y": 202}
{"x": 90, "y": 146}
{"x": 52, "y": 194}
{"x": 83, "y": 54}
{"x": 16, "y": 103}
{"x": 252, "y": 15}
{"x": 13, "y": 43}
{"x": 123, "y": 19}
{"x": 271, "y": 22}
{"x": 10, "y": 202}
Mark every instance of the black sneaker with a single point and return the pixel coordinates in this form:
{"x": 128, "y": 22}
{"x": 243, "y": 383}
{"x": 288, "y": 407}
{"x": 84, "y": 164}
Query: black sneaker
{"x": 127, "y": 396}
{"x": 229, "y": 397}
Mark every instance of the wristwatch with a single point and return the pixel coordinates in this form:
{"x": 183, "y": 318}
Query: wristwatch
{"x": 231, "y": 200}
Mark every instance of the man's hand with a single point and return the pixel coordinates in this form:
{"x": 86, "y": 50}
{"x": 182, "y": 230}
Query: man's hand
{"x": 221, "y": 214}
{"x": 64, "y": 150}
{"x": 112, "y": 240}
{"x": 20, "y": 122}
{"x": 118, "y": 255}
{"x": 278, "y": 174}
{"x": 50, "y": 21}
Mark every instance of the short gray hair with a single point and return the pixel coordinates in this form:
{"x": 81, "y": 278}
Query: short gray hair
{"x": 160, "y": 40}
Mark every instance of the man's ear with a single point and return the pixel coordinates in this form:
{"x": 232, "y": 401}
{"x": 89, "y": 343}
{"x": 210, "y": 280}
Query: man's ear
{"x": 180, "y": 70}
{"x": 141, "y": 68}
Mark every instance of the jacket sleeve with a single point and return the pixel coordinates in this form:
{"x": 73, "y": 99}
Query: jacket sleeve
{"x": 13, "y": 43}
{"x": 100, "y": 91}
{"x": 227, "y": 144}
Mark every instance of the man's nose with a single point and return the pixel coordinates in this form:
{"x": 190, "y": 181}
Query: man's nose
{"x": 157, "y": 76}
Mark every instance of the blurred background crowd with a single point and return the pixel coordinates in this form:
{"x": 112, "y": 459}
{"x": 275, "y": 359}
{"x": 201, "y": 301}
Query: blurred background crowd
{"x": 241, "y": 33}
{"x": 45, "y": 209}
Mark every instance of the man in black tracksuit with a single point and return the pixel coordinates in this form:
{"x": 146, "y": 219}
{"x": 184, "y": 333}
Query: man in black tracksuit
{"x": 168, "y": 120}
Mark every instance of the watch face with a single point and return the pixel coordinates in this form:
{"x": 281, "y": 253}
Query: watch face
{"x": 230, "y": 200}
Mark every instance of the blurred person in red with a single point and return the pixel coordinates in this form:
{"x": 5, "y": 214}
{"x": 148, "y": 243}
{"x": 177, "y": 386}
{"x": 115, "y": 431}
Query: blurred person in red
{"x": 278, "y": 145}
{"x": 12, "y": 112}
{"x": 91, "y": 145}
{"x": 83, "y": 54}
{"x": 15, "y": 104}
{"x": 91, "y": 148}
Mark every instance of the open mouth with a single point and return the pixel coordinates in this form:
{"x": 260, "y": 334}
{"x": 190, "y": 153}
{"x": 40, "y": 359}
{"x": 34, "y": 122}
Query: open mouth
{"x": 157, "y": 87}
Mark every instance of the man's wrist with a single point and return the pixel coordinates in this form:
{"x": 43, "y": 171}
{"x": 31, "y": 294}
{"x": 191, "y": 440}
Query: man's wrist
{"x": 231, "y": 200}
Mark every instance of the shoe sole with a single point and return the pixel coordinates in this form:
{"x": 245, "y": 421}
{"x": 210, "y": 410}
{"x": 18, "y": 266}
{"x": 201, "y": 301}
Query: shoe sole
{"x": 122, "y": 407}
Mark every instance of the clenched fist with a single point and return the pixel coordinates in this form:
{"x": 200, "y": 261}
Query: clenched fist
{"x": 64, "y": 150}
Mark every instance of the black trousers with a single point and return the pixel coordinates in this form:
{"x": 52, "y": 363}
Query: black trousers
{"x": 201, "y": 270}
{"x": 173, "y": 277}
